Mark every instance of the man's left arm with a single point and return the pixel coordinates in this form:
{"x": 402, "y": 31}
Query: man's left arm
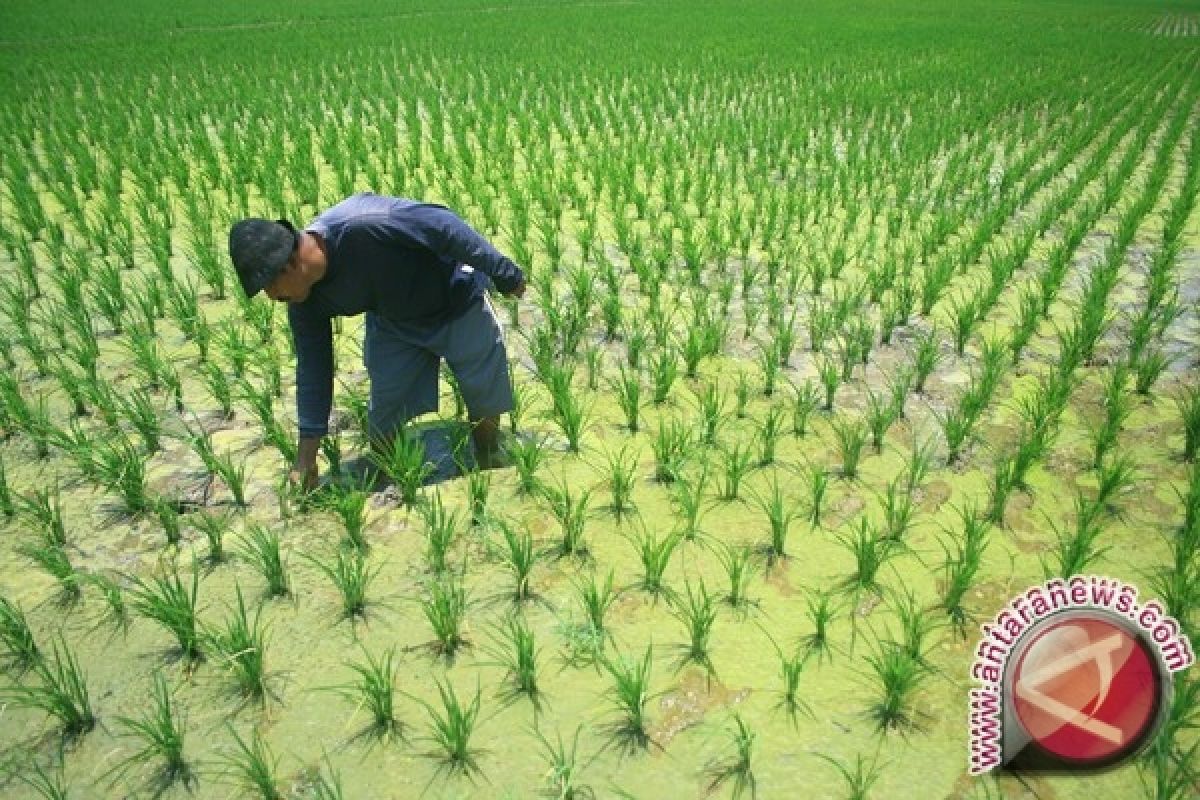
{"x": 448, "y": 235}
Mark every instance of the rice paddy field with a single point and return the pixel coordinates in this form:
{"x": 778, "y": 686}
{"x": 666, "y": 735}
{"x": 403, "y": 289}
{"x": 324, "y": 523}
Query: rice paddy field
{"x": 846, "y": 322}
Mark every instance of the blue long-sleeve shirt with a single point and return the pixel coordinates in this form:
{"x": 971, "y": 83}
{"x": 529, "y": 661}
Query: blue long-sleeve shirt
{"x": 417, "y": 264}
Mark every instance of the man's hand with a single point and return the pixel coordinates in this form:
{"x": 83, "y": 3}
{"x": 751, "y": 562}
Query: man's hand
{"x": 303, "y": 474}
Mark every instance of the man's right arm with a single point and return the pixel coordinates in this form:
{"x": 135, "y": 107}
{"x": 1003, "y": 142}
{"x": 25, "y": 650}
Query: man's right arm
{"x": 312, "y": 335}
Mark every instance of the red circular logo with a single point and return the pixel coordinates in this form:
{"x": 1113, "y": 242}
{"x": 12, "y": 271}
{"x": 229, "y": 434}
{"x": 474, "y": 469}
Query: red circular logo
{"x": 1086, "y": 690}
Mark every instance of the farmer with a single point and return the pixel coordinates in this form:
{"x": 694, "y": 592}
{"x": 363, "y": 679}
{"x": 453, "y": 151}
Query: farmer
{"x": 420, "y": 273}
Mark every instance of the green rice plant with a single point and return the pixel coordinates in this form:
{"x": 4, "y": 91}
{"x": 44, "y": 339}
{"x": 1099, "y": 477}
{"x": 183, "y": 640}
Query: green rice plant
{"x": 1166, "y": 774}
{"x": 571, "y": 512}
{"x": 526, "y": 455}
{"x": 441, "y": 532}
{"x": 240, "y": 647}
{"x": 1188, "y": 403}
{"x": 817, "y": 479}
{"x": 214, "y": 528}
{"x": 21, "y": 650}
{"x": 769, "y": 363}
{"x": 736, "y": 463}
{"x": 479, "y": 485}
{"x": 374, "y": 689}
{"x": 631, "y": 695}
{"x": 897, "y": 510}
{"x": 820, "y": 611}
{"x": 8, "y": 504}
{"x": 53, "y": 558}
{"x": 898, "y": 675}
{"x": 780, "y": 514}
{"x": 515, "y": 649}
{"x": 768, "y": 436}
{"x": 403, "y": 460}
{"x": 168, "y": 515}
{"x": 596, "y": 599}
{"x": 253, "y": 768}
{"x": 139, "y": 411}
{"x": 870, "y": 553}
{"x": 859, "y": 778}
{"x": 1114, "y": 476}
{"x": 965, "y": 315}
{"x": 351, "y": 577}
{"x": 123, "y": 470}
{"x": 964, "y": 557}
{"x": 1117, "y": 408}
{"x": 736, "y": 561}
{"x": 324, "y": 784}
{"x": 233, "y": 476}
{"x": 737, "y": 768}
{"x": 915, "y": 625}
{"x": 171, "y": 603}
{"x": 519, "y": 556}
{"x": 881, "y": 413}
{"x": 1075, "y": 550}
{"x": 711, "y": 401}
{"x": 1004, "y": 479}
{"x": 45, "y": 785}
{"x": 116, "y": 611}
{"x": 851, "y": 437}
{"x": 664, "y": 369}
{"x": 61, "y": 691}
{"x": 446, "y": 610}
{"x": 160, "y": 735}
{"x": 451, "y": 730}
{"x": 918, "y": 463}
{"x": 621, "y": 471}
{"x": 1147, "y": 370}
{"x": 260, "y": 548}
{"x": 803, "y": 404}
{"x": 741, "y": 396}
{"x": 654, "y": 553}
{"x": 671, "y": 445}
{"x": 350, "y": 505}
{"x": 697, "y": 614}
{"x": 926, "y": 357}
{"x": 563, "y": 767}
{"x": 957, "y": 428}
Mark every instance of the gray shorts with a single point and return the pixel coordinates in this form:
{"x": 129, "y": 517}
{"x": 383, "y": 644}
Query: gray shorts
{"x": 403, "y": 364}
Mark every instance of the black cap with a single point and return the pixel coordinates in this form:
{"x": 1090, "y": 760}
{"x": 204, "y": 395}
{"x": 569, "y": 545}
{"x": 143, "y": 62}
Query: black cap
{"x": 259, "y": 248}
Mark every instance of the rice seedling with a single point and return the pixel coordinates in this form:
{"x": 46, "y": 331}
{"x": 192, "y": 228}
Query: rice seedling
{"x": 8, "y": 505}
{"x": 621, "y": 469}
{"x": 445, "y": 608}
{"x": 160, "y": 735}
{"x": 898, "y": 675}
{"x": 881, "y": 413}
{"x": 53, "y": 558}
{"x": 123, "y": 470}
{"x": 803, "y": 404}
{"x": 403, "y": 460}
{"x": 21, "y": 650}
{"x": 851, "y": 437}
{"x": 596, "y": 599}
{"x": 563, "y": 767}
{"x": 49, "y": 786}
{"x": 1004, "y": 479}
{"x": 926, "y": 357}
{"x": 1075, "y": 550}
{"x": 61, "y": 691}
{"x": 45, "y": 510}
{"x": 571, "y": 512}
{"x": 741, "y": 396}
{"x": 780, "y": 514}
{"x": 630, "y": 695}
{"x": 671, "y": 445}
{"x": 711, "y": 401}
{"x": 736, "y": 463}
{"x": 869, "y": 552}
{"x": 1147, "y": 370}
{"x": 897, "y": 510}
{"x": 261, "y": 549}
{"x": 171, "y": 603}
{"x": 1188, "y": 403}
{"x": 374, "y": 689}
{"x": 324, "y": 784}
{"x": 214, "y": 528}
{"x": 515, "y": 649}
{"x": 351, "y": 577}
{"x": 859, "y": 778}
{"x": 441, "y": 532}
{"x": 654, "y": 554}
{"x": 240, "y": 647}
{"x": 526, "y": 455}
{"x": 479, "y": 485}
{"x": 768, "y": 436}
{"x": 452, "y": 728}
{"x": 964, "y": 557}
{"x": 820, "y": 611}
{"x": 1114, "y": 476}
{"x": 915, "y": 625}
{"x": 738, "y": 768}
{"x": 697, "y": 614}
{"x": 519, "y": 556}
{"x": 664, "y": 369}
{"x": 738, "y": 571}
{"x": 253, "y": 767}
